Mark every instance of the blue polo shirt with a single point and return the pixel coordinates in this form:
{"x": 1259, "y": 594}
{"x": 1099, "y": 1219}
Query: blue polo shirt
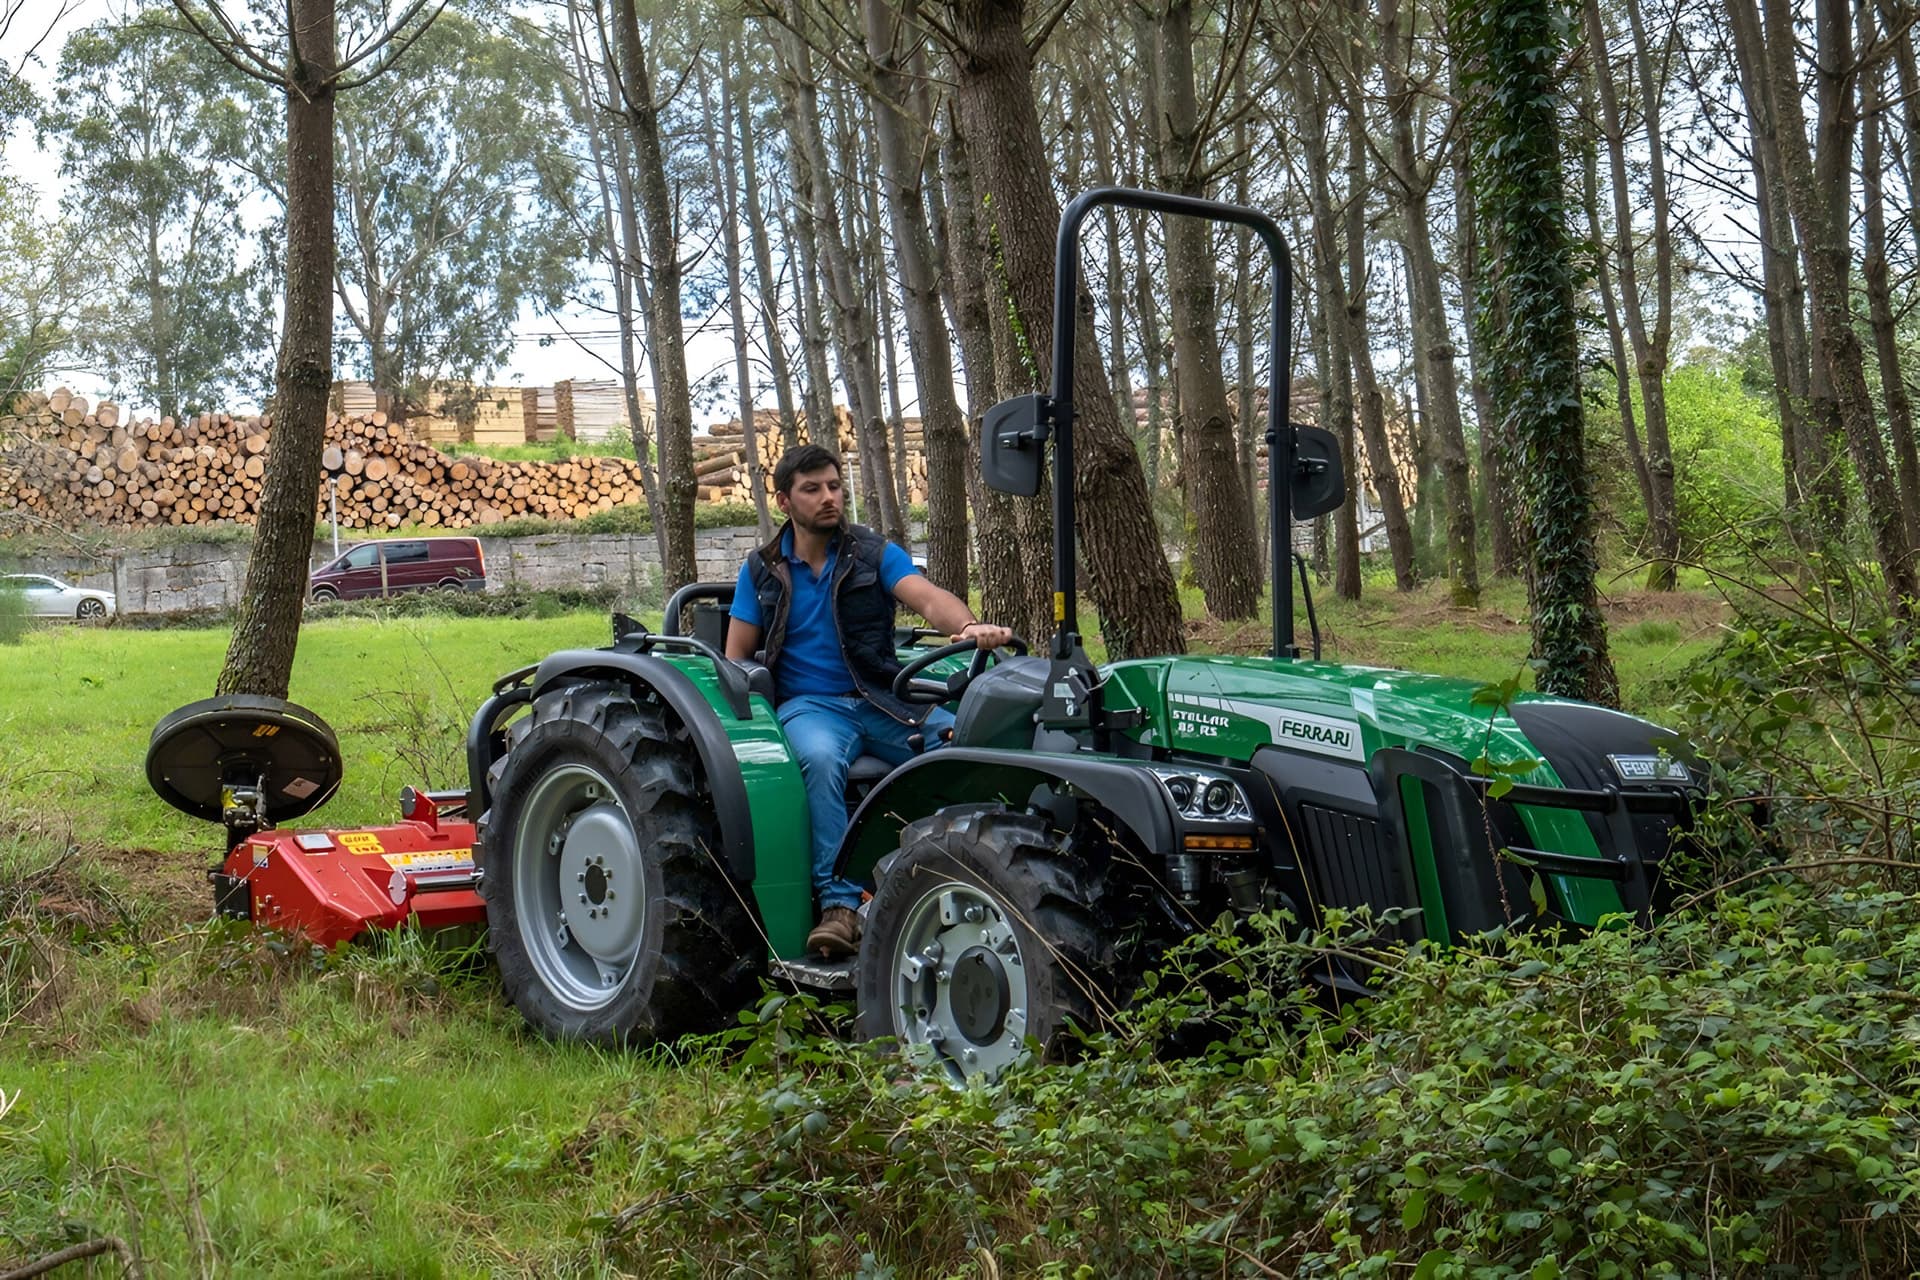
{"x": 810, "y": 660}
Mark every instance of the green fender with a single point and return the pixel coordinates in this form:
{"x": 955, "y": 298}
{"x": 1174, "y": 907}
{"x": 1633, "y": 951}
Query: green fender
{"x": 972, "y": 775}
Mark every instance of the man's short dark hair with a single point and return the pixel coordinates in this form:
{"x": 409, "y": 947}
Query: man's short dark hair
{"x": 800, "y": 460}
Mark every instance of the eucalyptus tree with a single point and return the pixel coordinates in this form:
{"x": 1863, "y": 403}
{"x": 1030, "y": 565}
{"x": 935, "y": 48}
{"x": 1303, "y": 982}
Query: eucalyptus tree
{"x": 152, "y": 126}
{"x": 296, "y": 49}
{"x": 443, "y": 219}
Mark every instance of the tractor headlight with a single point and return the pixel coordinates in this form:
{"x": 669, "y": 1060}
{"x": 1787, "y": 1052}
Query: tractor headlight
{"x": 1218, "y": 797}
{"x": 1204, "y": 797}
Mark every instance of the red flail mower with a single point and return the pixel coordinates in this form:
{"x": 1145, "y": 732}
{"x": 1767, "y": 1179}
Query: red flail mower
{"x": 252, "y": 763}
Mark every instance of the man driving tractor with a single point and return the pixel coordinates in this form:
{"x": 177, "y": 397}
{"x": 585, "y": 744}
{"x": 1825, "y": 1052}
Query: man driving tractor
{"x": 817, "y": 604}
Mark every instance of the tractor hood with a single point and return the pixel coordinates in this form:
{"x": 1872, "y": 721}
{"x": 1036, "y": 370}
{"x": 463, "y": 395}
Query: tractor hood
{"x": 1231, "y": 707}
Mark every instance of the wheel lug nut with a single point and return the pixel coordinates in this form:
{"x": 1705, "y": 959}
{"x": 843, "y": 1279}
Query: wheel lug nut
{"x": 583, "y": 897}
{"x": 581, "y": 877}
{"x": 974, "y": 914}
{"x": 969, "y": 1057}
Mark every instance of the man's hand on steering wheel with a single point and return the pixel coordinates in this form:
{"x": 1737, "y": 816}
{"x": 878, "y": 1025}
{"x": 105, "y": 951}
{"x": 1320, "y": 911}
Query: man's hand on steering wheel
{"x": 910, "y": 686}
{"x": 984, "y": 634}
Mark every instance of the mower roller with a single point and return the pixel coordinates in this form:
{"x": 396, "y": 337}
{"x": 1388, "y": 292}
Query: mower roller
{"x": 640, "y": 844}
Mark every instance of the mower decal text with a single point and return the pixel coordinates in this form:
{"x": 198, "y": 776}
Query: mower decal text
{"x": 436, "y": 860}
{"x": 361, "y": 842}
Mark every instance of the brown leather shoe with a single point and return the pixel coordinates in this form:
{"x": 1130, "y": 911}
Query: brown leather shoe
{"x": 837, "y": 934}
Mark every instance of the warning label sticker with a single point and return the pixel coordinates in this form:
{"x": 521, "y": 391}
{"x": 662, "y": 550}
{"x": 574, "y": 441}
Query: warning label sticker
{"x": 434, "y": 860}
{"x": 361, "y": 842}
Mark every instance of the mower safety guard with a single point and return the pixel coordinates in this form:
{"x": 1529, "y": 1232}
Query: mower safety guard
{"x": 1457, "y": 824}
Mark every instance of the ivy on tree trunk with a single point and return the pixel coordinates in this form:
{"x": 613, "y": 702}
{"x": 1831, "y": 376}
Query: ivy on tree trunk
{"x": 1513, "y": 54}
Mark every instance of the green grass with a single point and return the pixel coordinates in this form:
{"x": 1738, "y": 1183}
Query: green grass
{"x": 230, "y": 1109}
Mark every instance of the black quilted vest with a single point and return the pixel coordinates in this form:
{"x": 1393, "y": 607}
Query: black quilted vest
{"x": 863, "y": 610}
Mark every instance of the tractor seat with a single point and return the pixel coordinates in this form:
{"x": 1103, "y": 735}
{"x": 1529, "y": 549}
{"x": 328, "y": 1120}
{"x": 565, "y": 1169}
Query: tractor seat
{"x": 865, "y": 771}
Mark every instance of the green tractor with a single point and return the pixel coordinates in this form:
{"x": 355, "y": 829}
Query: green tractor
{"x": 643, "y": 835}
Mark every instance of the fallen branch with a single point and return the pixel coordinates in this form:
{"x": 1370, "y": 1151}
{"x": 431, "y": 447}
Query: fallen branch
{"x": 74, "y": 1253}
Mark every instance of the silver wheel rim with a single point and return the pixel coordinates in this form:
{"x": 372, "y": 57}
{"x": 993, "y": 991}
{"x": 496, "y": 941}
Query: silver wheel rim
{"x": 91, "y": 608}
{"x": 579, "y": 884}
{"x": 959, "y": 981}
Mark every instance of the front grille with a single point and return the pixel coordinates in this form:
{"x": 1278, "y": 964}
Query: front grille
{"x": 1350, "y": 865}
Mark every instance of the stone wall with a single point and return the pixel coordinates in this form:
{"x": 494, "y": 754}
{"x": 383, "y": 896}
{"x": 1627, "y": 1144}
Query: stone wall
{"x": 188, "y": 576}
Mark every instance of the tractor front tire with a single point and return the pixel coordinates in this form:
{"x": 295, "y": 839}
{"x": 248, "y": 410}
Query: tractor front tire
{"x": 608, "y": 912}
{"x": 986, "y": 930}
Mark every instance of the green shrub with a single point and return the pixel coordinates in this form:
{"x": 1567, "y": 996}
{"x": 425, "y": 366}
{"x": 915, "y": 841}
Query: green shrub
{"x": 1733, "y": 1092}
{"x": 1810, "y": 703}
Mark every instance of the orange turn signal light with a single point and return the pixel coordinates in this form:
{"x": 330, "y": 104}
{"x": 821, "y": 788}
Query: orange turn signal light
{"x": 1219, "y": 842}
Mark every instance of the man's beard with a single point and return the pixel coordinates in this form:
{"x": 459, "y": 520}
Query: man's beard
{"x": 817, "y": 525}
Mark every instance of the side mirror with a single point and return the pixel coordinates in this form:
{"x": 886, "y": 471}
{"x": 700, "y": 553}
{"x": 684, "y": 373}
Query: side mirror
{"x": 1319, "y": 482}
{"x": 1013, "y": 443}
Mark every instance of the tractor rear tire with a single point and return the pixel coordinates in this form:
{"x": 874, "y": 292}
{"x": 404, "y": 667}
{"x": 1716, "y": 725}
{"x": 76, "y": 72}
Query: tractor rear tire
{"x": 987, "y": 929}
{"x": 609, "y": 915}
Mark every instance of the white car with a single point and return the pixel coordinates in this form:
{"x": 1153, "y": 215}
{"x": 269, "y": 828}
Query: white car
{"x": 51, "y": 598}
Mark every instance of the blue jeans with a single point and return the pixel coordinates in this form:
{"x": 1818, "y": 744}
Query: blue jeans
{"x": 827, "y": 734}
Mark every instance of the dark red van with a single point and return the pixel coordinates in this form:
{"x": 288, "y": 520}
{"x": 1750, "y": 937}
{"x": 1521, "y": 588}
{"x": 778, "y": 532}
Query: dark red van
{"x": 404, "y": 564}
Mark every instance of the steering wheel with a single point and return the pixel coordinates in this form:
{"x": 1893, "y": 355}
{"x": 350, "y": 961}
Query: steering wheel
{"x": 908, "y": 686}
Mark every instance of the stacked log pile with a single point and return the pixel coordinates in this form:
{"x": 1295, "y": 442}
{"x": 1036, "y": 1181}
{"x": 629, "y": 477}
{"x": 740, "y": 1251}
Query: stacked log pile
{"x": 720, "y": 459}
{"x": 64, "y": 460}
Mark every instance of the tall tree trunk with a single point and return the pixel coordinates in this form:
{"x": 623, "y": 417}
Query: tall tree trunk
{"x": 1616, "y": 332}
{"x": 266, "y": 625}
{"x": 853, "y": 320}
{"x": 1824, "y": 252}
{"x": 620, "y": 218}
{"x": 1368, "y": 400}
{"x": 1011, "y": 592}
{"x": 1132, "y": 587}
{"x": 1519, "y": 183}
{"x": 823, "y": 426}
{"x": 764, "y": 277}
{"x": 904, "y": 123}
{"x": 1873, "y": 270}
{"x": 1153, "y": 350}
{"x": 673, "y": 406}
{"x": 1330, "y": 297}
{"x": 1815, "y": 494}
{"x": 725, "y": 178}
{"x": 1247, "y": 295}
{"x": 1226, "y": 550}
{"x": 1649, "y": 348}
{"x": 1433, "y": 347}
{"x": 1496, "y": 482}
{"x": 1106, "y": 174}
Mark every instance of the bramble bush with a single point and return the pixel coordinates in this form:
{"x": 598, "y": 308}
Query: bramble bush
{"x": 1730, "y": 1093}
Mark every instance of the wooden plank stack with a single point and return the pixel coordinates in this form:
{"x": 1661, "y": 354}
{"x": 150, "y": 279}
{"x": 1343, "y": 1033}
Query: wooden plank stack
{"x": 70, "y": 462}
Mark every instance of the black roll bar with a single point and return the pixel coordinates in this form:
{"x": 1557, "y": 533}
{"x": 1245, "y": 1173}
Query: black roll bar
{"x": 1280, "y": 439}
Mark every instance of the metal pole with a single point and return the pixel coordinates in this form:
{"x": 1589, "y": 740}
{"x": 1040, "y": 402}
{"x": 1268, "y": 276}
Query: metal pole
{"x": 333, "y": 514}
